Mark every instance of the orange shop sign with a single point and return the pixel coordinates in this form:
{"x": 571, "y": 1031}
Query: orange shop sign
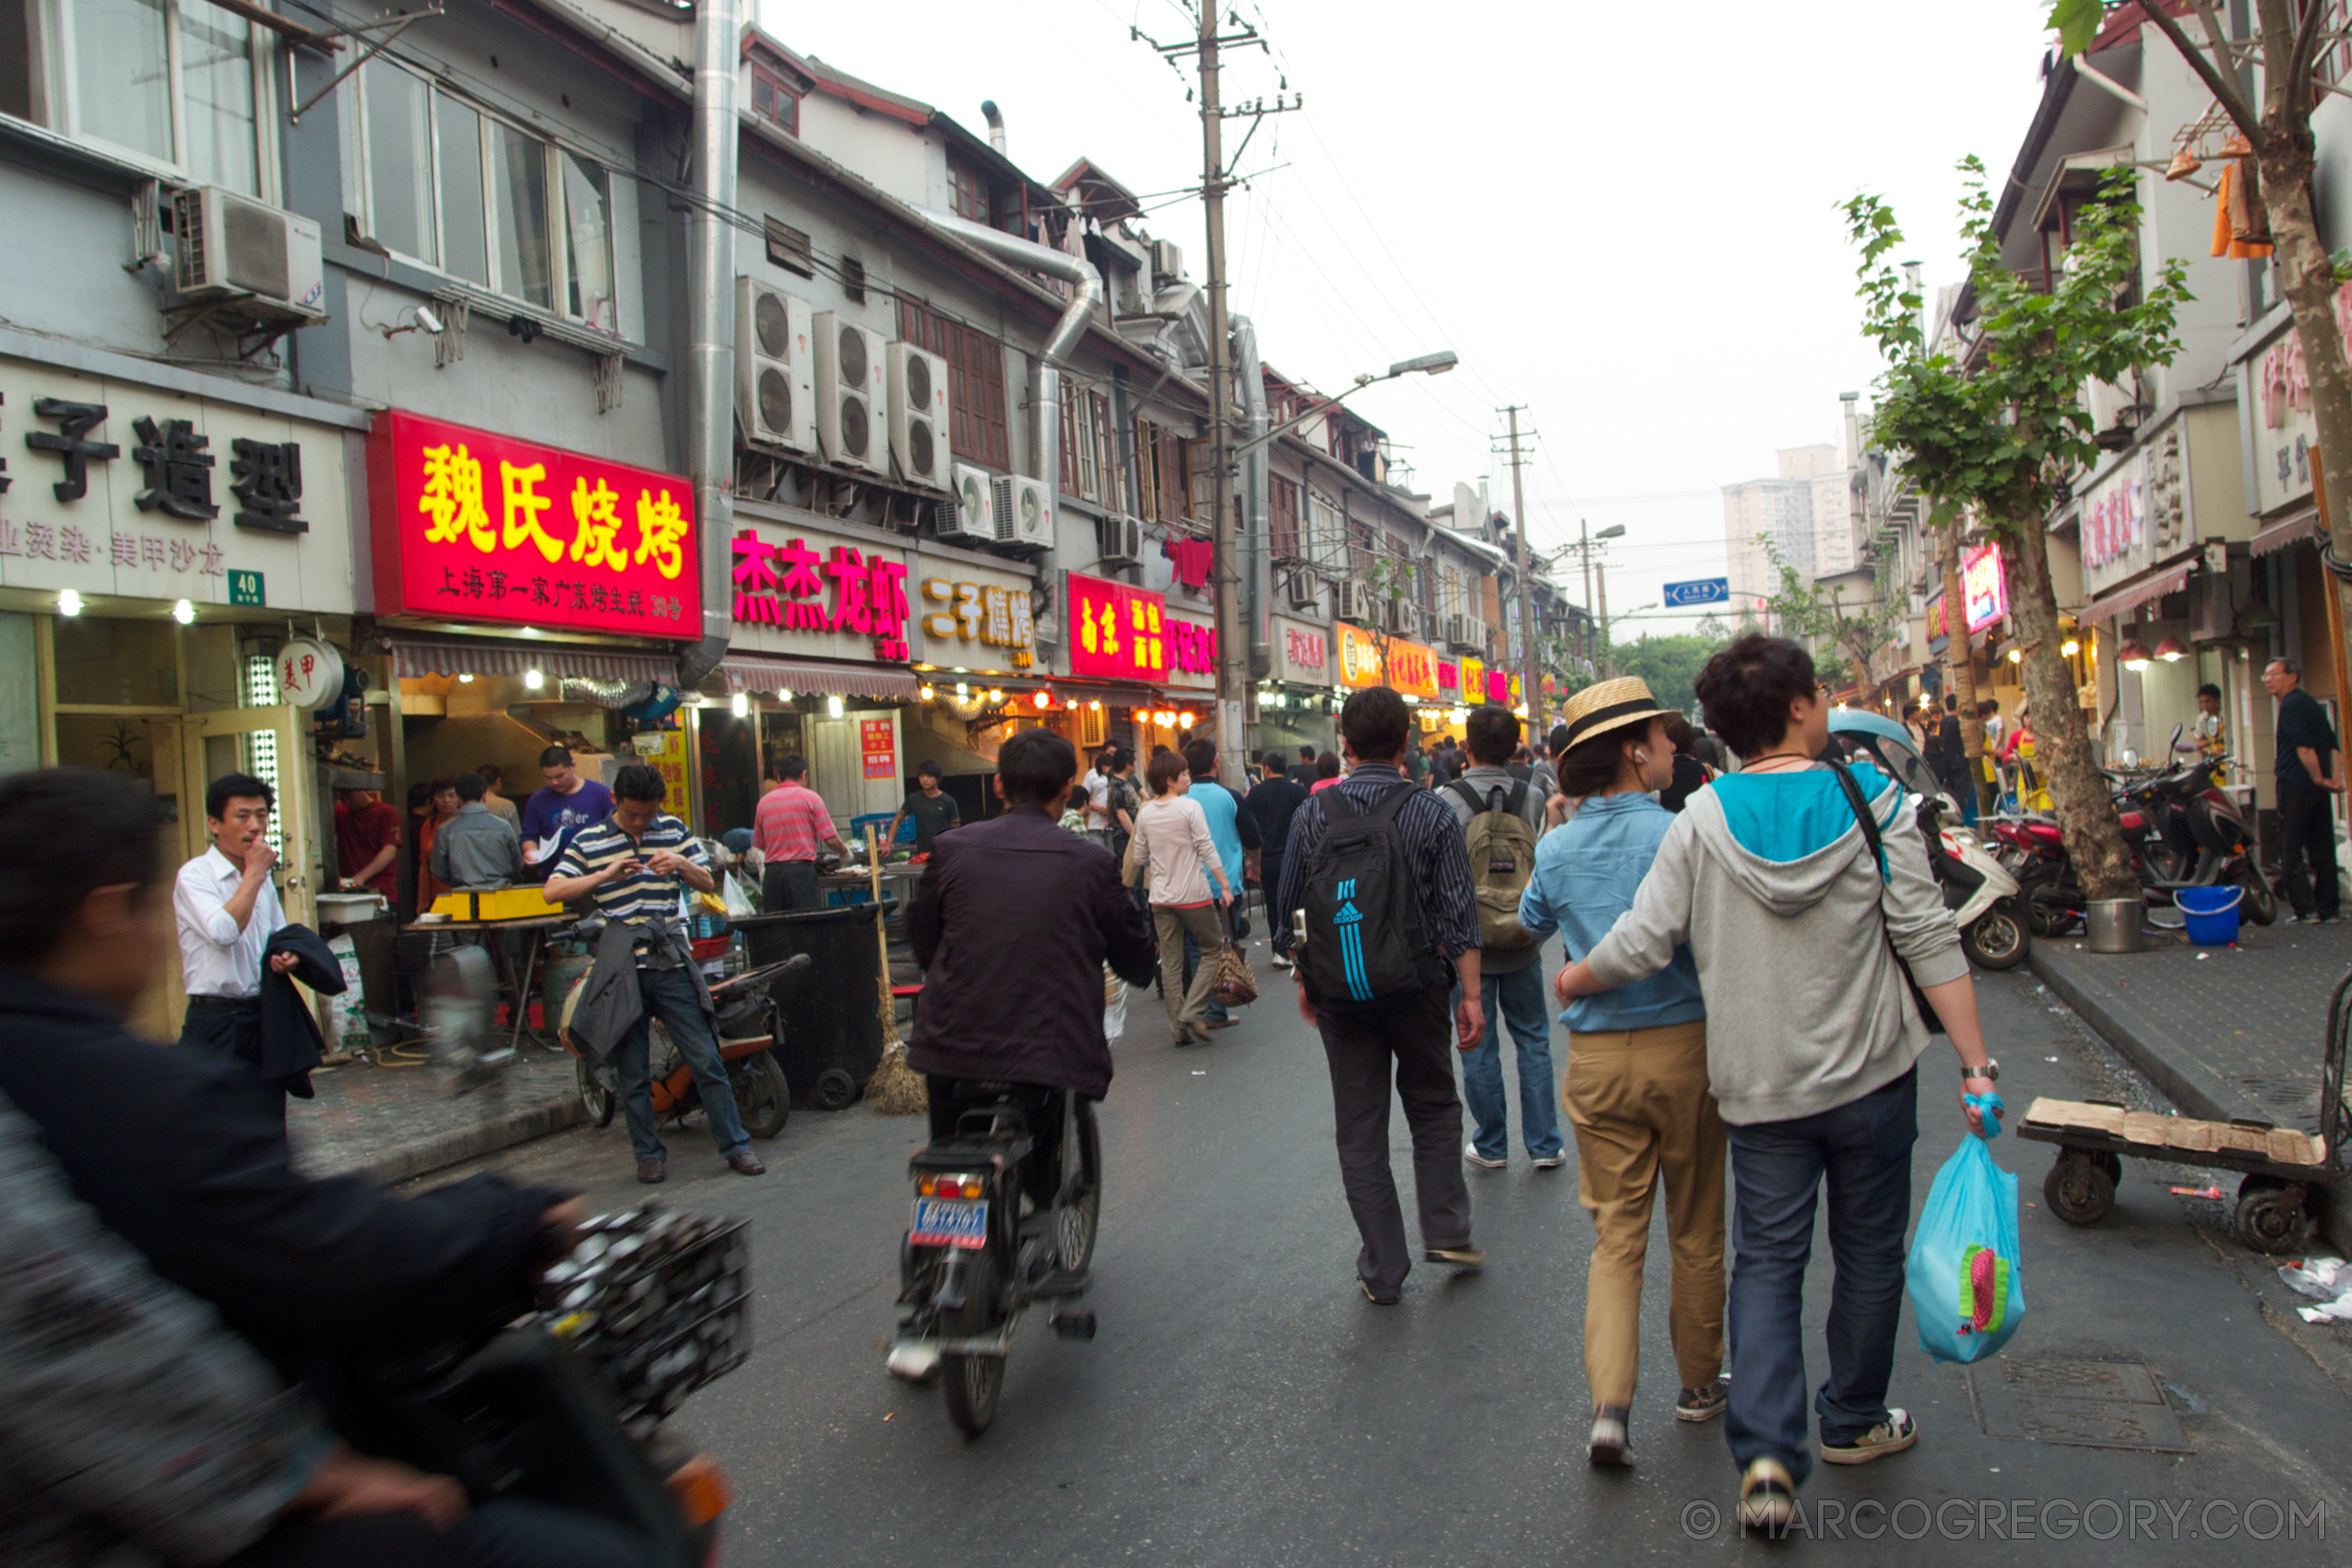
{"x": 1410, "y": 667}
{"x": 472, "y": 526}
{"x": 1117, "y": 633}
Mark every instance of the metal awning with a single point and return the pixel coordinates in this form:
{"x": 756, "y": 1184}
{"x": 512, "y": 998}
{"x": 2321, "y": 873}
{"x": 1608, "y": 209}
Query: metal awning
{"x": 464, "y": 655}
{"x": 752, "y": 672}
{"x": 2172, "y": 579}
{"x": 2278, "y": 536}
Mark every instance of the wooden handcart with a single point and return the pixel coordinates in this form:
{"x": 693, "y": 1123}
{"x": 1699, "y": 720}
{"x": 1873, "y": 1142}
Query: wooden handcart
{"x": 2282, "y": 1167}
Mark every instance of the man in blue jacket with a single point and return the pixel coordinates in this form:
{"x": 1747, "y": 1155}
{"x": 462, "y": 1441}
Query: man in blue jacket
{"x": 1238, "y": 844}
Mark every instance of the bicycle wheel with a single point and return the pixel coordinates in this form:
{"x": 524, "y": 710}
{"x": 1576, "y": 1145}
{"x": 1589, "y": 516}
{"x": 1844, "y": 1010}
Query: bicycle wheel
{"x": 1082, "y": 1218}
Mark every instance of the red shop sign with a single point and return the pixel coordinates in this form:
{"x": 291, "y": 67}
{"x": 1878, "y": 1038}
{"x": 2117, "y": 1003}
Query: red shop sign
{"x": 1196, "y": 646}
{"x": 1117, "y": 633}
{"x": 470, "y": 526}
{"x": 784, "y": 585}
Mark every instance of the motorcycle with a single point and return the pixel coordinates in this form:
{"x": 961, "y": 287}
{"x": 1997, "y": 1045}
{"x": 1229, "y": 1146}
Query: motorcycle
{"x": 567, "y": 1407}
{"x": 1977, "y": 889}
{"x": 996, "y": 1228}
{"x": 749, "y": 1025}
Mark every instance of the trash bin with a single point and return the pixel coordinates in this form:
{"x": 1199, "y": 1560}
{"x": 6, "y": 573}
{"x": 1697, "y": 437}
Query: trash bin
{"x": 2112, "y": 925}
{"x": 2212, "y": 914}
{"x": 832, "y": 1027}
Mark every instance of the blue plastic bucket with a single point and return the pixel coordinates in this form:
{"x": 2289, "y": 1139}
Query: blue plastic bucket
{"x": 2212, "y": 914}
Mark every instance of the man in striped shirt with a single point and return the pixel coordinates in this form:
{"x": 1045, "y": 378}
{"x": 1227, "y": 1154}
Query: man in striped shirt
{"x": 790, "y": 822}
{"x": 634, "y": 864}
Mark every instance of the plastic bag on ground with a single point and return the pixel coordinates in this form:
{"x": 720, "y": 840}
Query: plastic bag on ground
{"x": 1965, "y": 1274}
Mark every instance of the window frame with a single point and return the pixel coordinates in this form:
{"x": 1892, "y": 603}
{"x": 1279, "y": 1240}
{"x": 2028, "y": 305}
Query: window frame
{"x": 1082, "y": 452}
{"x": 977, "y": 429}
{"x": 59, "y": 89}
{"x": 784, "y": 93}
{"x": 967, "y": 190}
{"x": 1283, "y": 537}
{"x": 488, "y": 123}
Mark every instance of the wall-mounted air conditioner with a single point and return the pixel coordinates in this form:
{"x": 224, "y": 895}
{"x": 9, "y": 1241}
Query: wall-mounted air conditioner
{"x": 1356, "y": 603}
{"x": 775, "y": 379}
{"x": 1306, "y": 593}
{"x": 231, "y": 246}
{"x": 850, "y": 393}
{"x": 1024, "y": 511}
{"x": 1404, "y": 615}
{"x": 1123, "y": 541}
{"x": 1167, "y": 261}
{"x": 918, "y": 415}
{"x": 970, "y": 518}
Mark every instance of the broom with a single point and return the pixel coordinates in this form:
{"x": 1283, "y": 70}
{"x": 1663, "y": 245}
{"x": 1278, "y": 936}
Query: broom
{"x": 895, "y": 1089}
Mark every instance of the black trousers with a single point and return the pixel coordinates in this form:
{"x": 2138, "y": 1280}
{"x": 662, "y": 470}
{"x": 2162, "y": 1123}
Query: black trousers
{"x": 786, "y": 885}
{"x": 509, "y": 1533}
{"x": 2307, "y": 831}
{"x": 1410, "y": 1042}
{"x": 229, "y": 1030}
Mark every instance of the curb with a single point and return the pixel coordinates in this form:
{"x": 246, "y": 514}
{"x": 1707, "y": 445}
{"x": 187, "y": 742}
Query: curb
{"x": 523, "y": 1125}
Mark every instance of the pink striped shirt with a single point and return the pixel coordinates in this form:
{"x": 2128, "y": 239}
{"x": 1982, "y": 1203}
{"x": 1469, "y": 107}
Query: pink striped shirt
{"x": 791, "y": 823}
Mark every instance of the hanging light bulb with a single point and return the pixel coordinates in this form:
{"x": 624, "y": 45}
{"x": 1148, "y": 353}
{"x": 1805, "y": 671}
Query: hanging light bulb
{"x": 2133, "y": 656}
{"x": 739, "y": 704}
{"x": 466, "y": 680}
{"x": 963, "y": 688}
{"x": 1043, "y": 699}
{"x": 183, "y": 612}
{"x": 1185, "y": 721}
{"x": 995, "y": 693}
{"x": 833, "y": 705}
{"x": 785, "y": 695}
{"x": 2069, "y": 647}
{"x": 2016, "y": 655}
{"x": 68, "y": 602}
{"x": 927, "y": 692}
{"x": 533, "y": 678}
{"x": 2171, "y": 651}
{"x": 1096, "y": 704}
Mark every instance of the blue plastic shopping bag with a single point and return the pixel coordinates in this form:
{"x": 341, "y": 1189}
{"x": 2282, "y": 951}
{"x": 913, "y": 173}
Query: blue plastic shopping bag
{"x": 1966, "y": 1276}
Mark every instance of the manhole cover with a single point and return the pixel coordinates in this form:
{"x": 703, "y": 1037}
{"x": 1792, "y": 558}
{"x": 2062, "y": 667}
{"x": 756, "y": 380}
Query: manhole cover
{"x": 2081, "y": 1404}
{"x": 2127, "y": 1381}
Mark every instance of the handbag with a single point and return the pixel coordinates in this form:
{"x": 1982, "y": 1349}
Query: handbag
{"x": 1237, "y": 983}
{"x": 1928, "y": 1017}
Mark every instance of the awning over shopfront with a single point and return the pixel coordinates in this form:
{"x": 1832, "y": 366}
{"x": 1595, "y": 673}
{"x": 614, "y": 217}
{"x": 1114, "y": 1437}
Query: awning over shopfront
{"x": 413, "y": 657}
{"x": 2278, "y": 536}
{"x": 749, "y": 672}
{"x": 2172, "y": 579}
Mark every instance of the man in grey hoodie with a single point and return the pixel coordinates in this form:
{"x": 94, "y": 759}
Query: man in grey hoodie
{"x": 1813, "y": 1049}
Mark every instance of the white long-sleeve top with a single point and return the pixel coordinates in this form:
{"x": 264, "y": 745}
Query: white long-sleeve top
{"x": 216, "y": 959}
{"x": 1172, "y": 837}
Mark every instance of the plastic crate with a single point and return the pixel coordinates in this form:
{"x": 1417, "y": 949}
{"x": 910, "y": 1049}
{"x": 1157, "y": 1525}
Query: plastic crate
{"x": 658, "y": 1300}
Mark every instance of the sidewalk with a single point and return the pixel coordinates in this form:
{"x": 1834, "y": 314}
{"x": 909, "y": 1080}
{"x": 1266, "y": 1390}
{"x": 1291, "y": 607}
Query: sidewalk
{"x": 2223, "y": 1031}
{"x": 385, "y": 1124}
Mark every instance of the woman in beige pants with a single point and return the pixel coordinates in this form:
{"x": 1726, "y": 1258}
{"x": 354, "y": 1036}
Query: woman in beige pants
{"x": 1172, "y": 838}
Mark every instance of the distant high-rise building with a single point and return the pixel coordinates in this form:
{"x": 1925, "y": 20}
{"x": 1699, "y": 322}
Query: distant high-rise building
{"x": 1804, "y": 515}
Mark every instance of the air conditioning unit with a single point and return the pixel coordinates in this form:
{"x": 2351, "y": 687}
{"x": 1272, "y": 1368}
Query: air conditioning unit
{"x": 1306, "y": 593}
{"x": 1024, "y": 512}
{"x": 775, "y": 383}
{"x": 1167, "y": 261}
{"x": 231, "y": 246}
{"x": 850, "y": 393}
{"x": 1403, "y": 614}
{"x": 1457, "y": 630}
{"x": 971, "y": 516}
{"x": 918, "y": 415}
{"x": 1123, "y": 541}
{"x": 1356, "y": 602}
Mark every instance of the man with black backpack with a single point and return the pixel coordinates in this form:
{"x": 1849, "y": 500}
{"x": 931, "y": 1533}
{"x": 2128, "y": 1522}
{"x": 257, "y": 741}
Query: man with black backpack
{"x": 1377, "y": 871}
{"x": 1502, "y": 816}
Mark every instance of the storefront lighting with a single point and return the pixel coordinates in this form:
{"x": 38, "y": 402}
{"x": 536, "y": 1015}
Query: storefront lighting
{"x": 2171, "y": 650}
{"x": 963, "y": 689}
{"x": 997, "y": 694}
{"x": 1096, "y": 704}
{"x": 784, "y": 694}
{"x": 1043, "y": 699}
{"x": 1185, "y": 721}
{"x": 68, "y": 602}
{"x": 2133, "y": 656}
{"x": 833, "y": 705}
{"x": 927, "y": 692}
{"x": 2069, "y": 647}
{"x": 2016, "y": 655}
{"x": 466, "y": 680}
{"x": 739, "y": 704}
{"x": 183, "y": 612}
{"x": 533, "y": 679}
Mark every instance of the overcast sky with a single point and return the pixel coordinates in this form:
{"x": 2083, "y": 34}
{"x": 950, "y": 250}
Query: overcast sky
{"x": 1629, "y": 228}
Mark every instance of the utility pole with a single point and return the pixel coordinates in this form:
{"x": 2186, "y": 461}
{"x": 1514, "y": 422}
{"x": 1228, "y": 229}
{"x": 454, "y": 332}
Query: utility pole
{"x": 1530, "y": 675}
{"x": 1607, "y": 647}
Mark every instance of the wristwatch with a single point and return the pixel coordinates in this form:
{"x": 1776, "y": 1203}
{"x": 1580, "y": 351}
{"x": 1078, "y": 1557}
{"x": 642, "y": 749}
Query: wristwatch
{"x": 1991, "y": 1071}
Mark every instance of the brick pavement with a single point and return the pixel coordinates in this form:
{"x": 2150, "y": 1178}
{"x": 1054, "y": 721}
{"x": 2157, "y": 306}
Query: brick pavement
{"x": 387, "y": 1124}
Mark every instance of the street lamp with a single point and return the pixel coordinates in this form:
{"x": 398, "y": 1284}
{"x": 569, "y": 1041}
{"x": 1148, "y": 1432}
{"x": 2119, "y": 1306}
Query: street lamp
{"x": 1437, "y": 363}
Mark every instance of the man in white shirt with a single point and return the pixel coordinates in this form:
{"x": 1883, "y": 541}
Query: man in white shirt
{"x": 226, "y": 910}
{"x": 1095, "y": 787}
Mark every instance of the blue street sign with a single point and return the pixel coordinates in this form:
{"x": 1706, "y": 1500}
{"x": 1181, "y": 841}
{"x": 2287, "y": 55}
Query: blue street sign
{"x": 1706, "y": 591}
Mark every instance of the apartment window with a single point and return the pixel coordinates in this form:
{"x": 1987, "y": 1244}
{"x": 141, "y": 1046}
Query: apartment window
{"x": 1282, "y": 519}
{"x": 1363, "y": 548}
{"x": 967, "y": 191}
{"x": 1326, "y": 530}
{"x": 441, "y": 183}
{"x": 774, "y": 101}
{"x": 975, "y": 383}
{"x": 1175, "y": 481}
{"x": 1200, "y": 474}
{"x": 174, "y": 82}
{"x": 1085, "y": 417}
{"x": 1148, "y": 487}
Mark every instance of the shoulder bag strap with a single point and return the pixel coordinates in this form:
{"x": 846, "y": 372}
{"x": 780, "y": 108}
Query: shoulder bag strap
{"x": 1868, "y": 822}
{"x": 1517, "y": 804}
{"x": 1469, "y": 796}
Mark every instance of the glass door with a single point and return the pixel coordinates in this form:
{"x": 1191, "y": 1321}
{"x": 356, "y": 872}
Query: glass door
{"x": 266, "y": 743}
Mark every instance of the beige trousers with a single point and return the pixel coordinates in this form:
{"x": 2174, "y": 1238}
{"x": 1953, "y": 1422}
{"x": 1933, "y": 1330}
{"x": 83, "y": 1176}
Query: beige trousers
{"x": 1638, "y": 1100}
{"x": 1184, "y": 1006}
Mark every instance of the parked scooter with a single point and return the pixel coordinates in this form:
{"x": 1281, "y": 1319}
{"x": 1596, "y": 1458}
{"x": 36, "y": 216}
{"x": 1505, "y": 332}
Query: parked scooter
{"x": 750, "y": 1027}
{"x": 1978, "y": 890}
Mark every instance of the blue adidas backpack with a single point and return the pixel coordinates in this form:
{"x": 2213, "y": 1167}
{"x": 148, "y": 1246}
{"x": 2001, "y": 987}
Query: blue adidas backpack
{"x": 1367, "y": 941}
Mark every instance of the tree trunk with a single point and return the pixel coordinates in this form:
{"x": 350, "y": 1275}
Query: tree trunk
{"x": 2309, "y": 281}
{"x": 1961, "y": 665}
{"x": 2078, "y": 790}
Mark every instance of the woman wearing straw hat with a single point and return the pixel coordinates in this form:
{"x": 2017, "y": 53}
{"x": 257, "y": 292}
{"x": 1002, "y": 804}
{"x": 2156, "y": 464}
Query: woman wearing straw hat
{"x": 1636, "y": 1087}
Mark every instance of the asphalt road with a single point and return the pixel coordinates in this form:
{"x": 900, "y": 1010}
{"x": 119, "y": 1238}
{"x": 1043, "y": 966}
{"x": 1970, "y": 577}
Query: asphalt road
{"x": 1244, "y": 1405}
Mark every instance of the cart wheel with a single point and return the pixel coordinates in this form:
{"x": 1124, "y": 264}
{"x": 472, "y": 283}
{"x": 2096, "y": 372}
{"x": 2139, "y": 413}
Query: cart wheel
{"x": 597, "y": 1097}
{"x": 2273, "y": 1216}
{"x": 2079, "y": 1188}
{"x": 2112, "y": 1164}
{"x": 836, "y": 1090}
{"x": 762, "y": 1098}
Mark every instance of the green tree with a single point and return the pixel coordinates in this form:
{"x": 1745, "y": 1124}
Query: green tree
{"x": 1670, "y": 665}
{"x": 1857, "y": 633}
{"x": 1995, "y": 432}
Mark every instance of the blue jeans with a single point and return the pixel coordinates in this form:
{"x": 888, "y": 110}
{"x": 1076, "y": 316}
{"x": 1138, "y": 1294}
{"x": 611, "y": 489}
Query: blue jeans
{"x": 1864, "y": 1147}
{"x": 1514, "y": 999}
{"x": 671, "y": 995}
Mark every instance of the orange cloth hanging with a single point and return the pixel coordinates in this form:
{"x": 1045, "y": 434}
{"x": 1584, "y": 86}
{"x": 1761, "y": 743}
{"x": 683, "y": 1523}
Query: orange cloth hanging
{"x": 2225, "y": 242}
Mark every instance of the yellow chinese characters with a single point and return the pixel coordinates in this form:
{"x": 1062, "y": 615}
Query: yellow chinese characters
{"x": 661, "y": 526}
{"x": 519, "y": 487}
{"x": 1144, "y": 617}
{"x": 452, "y": 497}
{"x": 593, "y": 510}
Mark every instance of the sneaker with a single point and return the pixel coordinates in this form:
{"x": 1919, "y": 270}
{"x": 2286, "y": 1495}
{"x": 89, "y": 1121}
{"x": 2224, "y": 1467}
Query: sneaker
{"x": 1470, "y": 1152}
{"x": 1703, "y": 1404}
{"x": 1280, "y": 962}
{"x": 1549, "y": 1161}
{"x": 914, "y": 1363}
{"x": 1605, "y": 1447}
{"x": 1892, "y": 1435}
{"x": 1768, "y": 1497}
{"x": 1463, "y": 1257}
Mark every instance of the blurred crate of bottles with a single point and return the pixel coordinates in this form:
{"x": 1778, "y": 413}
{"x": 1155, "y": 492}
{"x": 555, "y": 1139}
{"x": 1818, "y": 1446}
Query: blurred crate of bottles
{"x": 659, "y": 1300}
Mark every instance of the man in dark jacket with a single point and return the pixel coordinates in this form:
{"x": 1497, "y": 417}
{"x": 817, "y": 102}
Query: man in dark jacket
{"x": 1273, "y": 801}
{"x": 1013, "y": 921}
{"x": 177, "y": 1155}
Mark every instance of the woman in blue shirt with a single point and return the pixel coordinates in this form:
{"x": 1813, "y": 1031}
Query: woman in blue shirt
{"x": 1636, "y": 1088}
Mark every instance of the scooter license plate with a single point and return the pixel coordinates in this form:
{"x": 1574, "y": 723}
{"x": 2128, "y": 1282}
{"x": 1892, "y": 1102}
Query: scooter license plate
{"x": 950, "y": 1222}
